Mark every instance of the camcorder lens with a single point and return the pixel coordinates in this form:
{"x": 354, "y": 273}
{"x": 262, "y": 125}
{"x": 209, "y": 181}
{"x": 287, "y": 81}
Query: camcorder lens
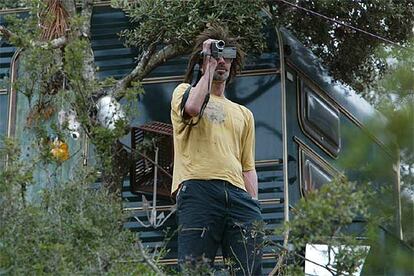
{"x": 219, "y": 50}
{"x": 220, "y": 44}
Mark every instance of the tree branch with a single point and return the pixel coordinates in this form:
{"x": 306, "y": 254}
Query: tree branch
{"x": 6, "y": 33}
{"x": 162, "y": 56}
{"x": 147, "y": 63}
{"x": 148, "y": 259}
{"x": 286, "y": 251}
{"x": 136, "y": 74}
{"x": 53, "y": 44}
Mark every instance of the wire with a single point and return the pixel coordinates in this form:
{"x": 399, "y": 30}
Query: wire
{"x": 341, "y": 23}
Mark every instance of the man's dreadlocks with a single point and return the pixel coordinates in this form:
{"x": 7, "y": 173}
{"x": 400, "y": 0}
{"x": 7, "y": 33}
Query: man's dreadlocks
{"x": 217, "y": 32}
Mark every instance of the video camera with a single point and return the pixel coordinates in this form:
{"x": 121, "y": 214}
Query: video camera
{"x": 219, "y": 50}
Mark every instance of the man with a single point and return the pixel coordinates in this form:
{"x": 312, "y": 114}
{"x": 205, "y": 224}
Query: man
{"x": 214, "y": 169}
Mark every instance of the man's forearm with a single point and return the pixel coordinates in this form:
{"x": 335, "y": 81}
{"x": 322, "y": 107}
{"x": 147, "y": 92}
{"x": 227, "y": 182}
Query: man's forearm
{"x": 250, "y": 182}
{"x": 199, "y": 92}
{"x": 197, "y": 96}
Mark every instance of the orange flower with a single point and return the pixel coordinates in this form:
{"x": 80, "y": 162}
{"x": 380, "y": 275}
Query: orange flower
{"x": 60, "y": 150}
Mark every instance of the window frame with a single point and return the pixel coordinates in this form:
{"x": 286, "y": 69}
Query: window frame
{"x": 320, "y": 138}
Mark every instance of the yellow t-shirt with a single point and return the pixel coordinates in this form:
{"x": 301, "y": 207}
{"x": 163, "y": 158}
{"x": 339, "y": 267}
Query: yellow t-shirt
{"x": 220, "y": 146}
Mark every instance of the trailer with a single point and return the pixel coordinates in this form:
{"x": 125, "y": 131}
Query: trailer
{"x": 302, "y": 118}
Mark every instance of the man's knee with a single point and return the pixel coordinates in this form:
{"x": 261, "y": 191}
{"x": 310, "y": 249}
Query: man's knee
{"x": 196, "y": 249}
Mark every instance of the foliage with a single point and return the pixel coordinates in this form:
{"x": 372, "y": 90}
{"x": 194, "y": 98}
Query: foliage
{"x": 54, "y": 80}
{"x": 349, "y": 55}
{"x": 16, "y": 176}
{"x": 71, "y": 228}
{"x": 407, "y": 217}
{"x": 395, "y": 98}
{"x": 179, "y": 22}
{"x": 10, "y": 4}
{"x": 322, "y": 217}
{"x": 74, "y": 229}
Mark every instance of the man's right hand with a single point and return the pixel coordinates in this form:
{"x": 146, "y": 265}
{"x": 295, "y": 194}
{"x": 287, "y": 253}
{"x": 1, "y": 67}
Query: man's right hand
{"x": 209, "y": 63}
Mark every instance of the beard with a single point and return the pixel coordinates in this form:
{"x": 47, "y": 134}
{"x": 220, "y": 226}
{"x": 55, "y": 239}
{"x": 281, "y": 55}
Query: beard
{"x": 218, "y": 76}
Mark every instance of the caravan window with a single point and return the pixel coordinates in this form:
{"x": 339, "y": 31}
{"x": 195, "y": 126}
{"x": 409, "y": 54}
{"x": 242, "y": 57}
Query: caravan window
{"x": 314, "y": 170}
{"x": 320, "y": 120}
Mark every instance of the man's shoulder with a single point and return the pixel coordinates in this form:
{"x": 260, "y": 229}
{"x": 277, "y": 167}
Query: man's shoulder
{"x": 243, "y": 109}
{"x": 181, "y": 87}
{"x": 179, "y": 91}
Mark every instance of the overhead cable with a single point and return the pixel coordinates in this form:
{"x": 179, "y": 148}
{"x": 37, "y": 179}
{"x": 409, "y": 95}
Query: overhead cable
{"x": 340, "y": 23}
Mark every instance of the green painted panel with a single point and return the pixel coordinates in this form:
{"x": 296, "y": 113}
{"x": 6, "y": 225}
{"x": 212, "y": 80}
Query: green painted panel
{"x": 44, "y": 175}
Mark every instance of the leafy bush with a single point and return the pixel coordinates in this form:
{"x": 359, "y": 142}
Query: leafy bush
{"x": 72, "y": 229}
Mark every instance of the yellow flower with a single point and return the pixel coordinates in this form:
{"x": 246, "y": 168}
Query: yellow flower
{"x": 60, "y": 150}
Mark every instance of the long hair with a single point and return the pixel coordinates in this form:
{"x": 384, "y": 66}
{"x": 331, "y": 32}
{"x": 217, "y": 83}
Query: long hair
{"x": 217, "y": 32}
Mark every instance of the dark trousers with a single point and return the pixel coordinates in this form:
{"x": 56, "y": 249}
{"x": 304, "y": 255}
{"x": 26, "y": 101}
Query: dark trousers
{"x": 214, "y": 213}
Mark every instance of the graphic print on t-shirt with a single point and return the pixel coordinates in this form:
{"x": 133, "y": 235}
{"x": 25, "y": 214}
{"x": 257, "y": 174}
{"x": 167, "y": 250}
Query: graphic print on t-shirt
{"x": 214, "y": 112}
